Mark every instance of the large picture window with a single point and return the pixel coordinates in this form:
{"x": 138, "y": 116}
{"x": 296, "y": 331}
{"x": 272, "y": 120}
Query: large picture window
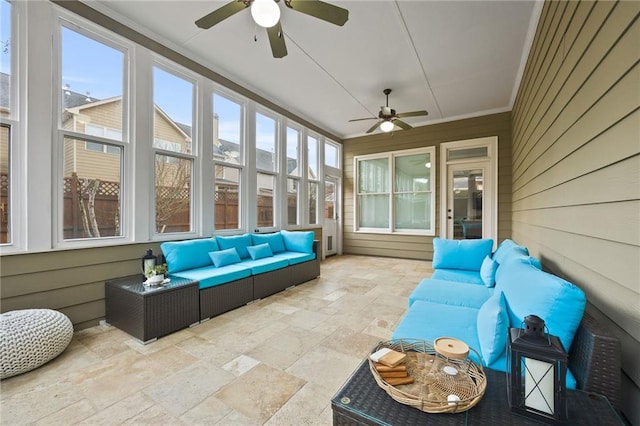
{"x": 267, "y": 167}
{"x": 293, "y": 173}
{"x": 394, "y": 192}
{"x": 6, "y": 122}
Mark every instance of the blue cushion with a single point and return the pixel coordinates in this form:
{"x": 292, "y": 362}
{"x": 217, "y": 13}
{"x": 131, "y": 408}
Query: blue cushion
{"x": 493, "y": 324}
{"x": 239, "y": 242}
{"x": 458, "y": 275}
{"x": 488, "y": 271}
{"x": 260, "y": 251}
{"x": 266, "y": 264}
{"x": 190, "y": 254}
{"x": 294, "y": 257}
{"x": 275, "y": 241}
{"x": 450, "y": 293}
{"x": 210, "y": 276}
{"x": 460, "y": 254}
{"x": 300, "y": 241}
{"x": 508, "y": 248}
{"x": 226, "y": 257}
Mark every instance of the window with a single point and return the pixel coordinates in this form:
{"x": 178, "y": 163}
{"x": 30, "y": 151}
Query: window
{"x": 266, "y": 164}
{"x": 173, "y": 123}
{"x": 312, "y": 176}
{"x": 92, "y": 128}
{"x": 228, "y": 148}
{"x": 394, "y": 192}
{"x": 7, "y": 124}
{"x": 293, "y": 173}
{"x": 331, "y": 154}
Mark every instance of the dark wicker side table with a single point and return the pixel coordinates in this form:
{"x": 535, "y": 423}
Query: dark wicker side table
{"x": 151, "y": 312}
{"x": 362, "y": 402}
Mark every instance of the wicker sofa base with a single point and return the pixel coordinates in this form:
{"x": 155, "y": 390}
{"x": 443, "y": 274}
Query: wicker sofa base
{"x": 225, "y": 297}
{"x": 270, "y": 282}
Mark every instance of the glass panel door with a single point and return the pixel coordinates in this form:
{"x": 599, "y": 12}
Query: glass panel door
{"x": 465, "y": 201}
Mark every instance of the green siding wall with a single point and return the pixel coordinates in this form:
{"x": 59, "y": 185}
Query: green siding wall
{"x": 576, "y": 162}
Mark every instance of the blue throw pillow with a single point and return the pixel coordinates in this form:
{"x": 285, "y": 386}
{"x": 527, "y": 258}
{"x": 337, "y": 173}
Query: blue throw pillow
{"x": 488, "y": 271}
{"x": 300, "y": 241}
{"x": 460, "y": 254}
{"x": 275, "y": 241}
{"x": 493, "y": 325}
{"x": 189, "y": 254}
{"x": 260, "y": 251}
{"x": 225, "y": 257}
{"x": 239, "y": 242}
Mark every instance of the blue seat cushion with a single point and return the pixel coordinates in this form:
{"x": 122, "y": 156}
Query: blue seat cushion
{"x": 294, "y": 257}
{"x": 301, "y": 241}
{"x": 428, "y": 321}
{"x": 458, "y": 275}
{"x": 265, "y": 264}
{"x": 274, "y": 240}
{"x": 189, "y": 254}
{"x": 239, "y": 242}
{"x": 210, "y": 276}
{"x": 450, "y": 293}
{"x": 460, "y": 254}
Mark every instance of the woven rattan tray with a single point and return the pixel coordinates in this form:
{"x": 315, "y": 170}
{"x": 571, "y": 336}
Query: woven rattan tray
{"x": 432, "y": 386}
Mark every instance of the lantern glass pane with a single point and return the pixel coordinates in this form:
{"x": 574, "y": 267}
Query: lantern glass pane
{"x": 538, "y": 385}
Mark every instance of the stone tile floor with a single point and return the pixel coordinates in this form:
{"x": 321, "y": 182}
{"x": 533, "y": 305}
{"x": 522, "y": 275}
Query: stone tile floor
{"x": 277, "y": 361}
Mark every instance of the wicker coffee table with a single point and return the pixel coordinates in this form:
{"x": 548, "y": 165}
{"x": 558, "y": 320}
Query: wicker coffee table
{"x": 362, "y": 402}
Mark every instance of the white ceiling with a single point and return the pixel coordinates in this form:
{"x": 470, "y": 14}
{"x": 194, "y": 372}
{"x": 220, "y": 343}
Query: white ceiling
{"x": 456, "y": 59}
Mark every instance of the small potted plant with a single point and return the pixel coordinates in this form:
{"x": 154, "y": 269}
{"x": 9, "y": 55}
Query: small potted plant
{"x": 156, "y": 274}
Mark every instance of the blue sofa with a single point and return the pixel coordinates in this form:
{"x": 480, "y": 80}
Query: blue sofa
{"x": 475, "y": 296}
{"x": 234, "y": 270}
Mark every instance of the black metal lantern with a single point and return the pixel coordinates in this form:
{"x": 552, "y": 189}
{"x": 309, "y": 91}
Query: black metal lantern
{"x": 536, "y": 375}
{"x": 148, "y": 263}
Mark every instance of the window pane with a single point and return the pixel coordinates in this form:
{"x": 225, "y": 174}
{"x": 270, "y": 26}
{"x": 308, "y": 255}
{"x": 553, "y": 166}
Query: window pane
{"x": 265, "y": 200}
{"x": 173, "y": 194}
{"x": 227, "y": 130}
{"x": 312, "y": 157}
{"x": 227, "y": 196}
{"x": 265, "y": 143}
{"x": 5, "y": 187}
{"x": 413, "y": 211}
{"x": 313, "y": 203}
{"x": 173, "y": 112}
{"x": 412, "y": 173}
{"x": 293, "y": 152}
{"x": 373, "y": 176}
{"x": 459, "y": 154}
{"x": 92, "y": 80}
{"x": 92, "y": 191}
{"x": 292, "y": 201}
{"x": 331, "y": 155}
{"x": 5, "y": 57}
{"x": 373, "y": 211}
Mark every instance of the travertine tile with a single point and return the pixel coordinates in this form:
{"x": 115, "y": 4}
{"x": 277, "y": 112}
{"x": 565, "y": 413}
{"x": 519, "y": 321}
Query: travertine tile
{"x": 325, "y": 367}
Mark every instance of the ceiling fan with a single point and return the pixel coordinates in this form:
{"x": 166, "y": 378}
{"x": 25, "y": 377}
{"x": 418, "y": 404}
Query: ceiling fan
{"x": 389, "y": 117}
{"x": 266, "y": 13}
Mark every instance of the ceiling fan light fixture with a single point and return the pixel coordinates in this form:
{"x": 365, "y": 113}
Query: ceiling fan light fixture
{"x": 386, "y": 126}
{"x": 265, "y": 13}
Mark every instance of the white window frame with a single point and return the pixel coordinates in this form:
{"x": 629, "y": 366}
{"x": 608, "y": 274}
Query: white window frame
{"x": 390, "y": 157}
{"x": 297, "y": 178}
{"x": 101, "y": 35}
{"x": 275, "y": 174}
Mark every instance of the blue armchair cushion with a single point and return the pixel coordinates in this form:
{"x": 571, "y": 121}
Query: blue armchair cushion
{"x": 507, "y": 249}
{"x": 225, "y": 257}
{"x": 275, "y": 241}
{"x": 493, "y": 323}
{"x": 260, "y": 251}
{"x": 460, "y": 254}
{"x": 189, "y": 254}
{"x": 239, "y": 242}
{"x": 300, "y": 241}
{"x": 488, "y": 271}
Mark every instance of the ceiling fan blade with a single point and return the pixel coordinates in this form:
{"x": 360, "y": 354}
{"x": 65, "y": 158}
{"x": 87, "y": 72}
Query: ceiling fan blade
{"x": 375, "y": 126}
{"x": 276, "y": 39}
{"x": 412, "y": 114}
{"x": 321, "y": 10}
{"x": 362, "y": 119}
{"x": 402, "y": 124}
{"x": 221, "y": 14}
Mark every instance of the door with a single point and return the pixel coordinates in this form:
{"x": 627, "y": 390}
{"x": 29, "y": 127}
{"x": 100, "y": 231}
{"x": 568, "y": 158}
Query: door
{"x": 469, "y": 185}
{"x": 331, "y": 208}
{"x": 465, "y": 201}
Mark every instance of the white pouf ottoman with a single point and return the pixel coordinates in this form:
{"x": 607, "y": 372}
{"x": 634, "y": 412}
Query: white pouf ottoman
{"x": 30, "y": 338}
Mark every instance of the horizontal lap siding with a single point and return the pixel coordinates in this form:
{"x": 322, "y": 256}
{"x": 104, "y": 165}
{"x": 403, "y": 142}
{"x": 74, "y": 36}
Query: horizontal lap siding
{"x": 576, "y": 161}
{"x": 421, "y": 247}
